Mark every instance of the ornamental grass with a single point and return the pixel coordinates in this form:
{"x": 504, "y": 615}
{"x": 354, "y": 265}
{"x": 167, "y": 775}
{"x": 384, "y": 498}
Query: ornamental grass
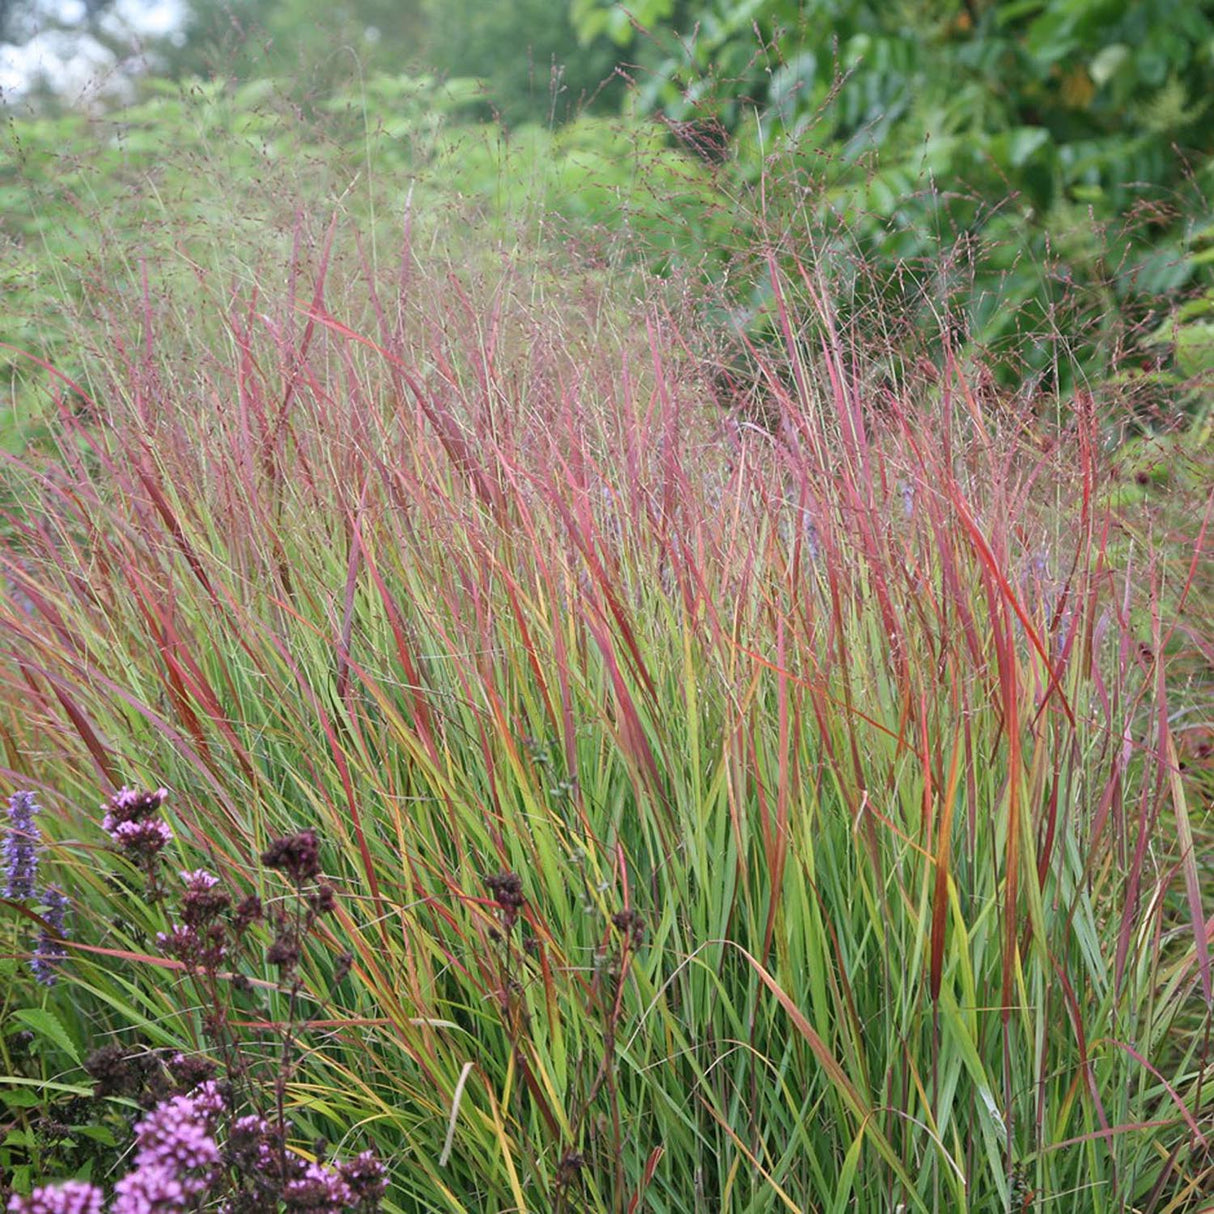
{"x": 649, "y": 788}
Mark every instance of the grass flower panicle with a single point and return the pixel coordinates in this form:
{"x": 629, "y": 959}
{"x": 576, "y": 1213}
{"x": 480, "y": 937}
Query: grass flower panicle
{"x": 20, "y": 847}
{"x": 726, "y": 799}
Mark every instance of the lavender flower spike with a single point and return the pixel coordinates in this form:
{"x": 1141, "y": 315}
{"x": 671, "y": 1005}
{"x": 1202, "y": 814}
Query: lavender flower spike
{"x": 49, "y": 949}
{"x": 74, "y": 1197}
{"x": 20, "y": 847}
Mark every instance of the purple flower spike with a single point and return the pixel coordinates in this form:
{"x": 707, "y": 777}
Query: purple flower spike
{"x": 50, "y": 948}
{"x": 20, "y": 847}
{"x": 74, "y": 1197}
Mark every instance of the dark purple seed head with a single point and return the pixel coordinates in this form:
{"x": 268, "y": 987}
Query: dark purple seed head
{"x": 296, "y": 855}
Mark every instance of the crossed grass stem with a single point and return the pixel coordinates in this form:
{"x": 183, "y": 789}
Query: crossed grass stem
{"x": 630, "y": 927}
{"x": 605, "y": 999}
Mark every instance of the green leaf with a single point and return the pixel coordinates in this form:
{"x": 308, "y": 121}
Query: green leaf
{"x": 21, "y": 1098}
{"x": 98, "y": 1133}
{"x": 47, "y": 1025}
{"x": 1107, "y": 63}
{"x": 1195, "y": 348}
{"x": 1024, "y": 142}
{"x": 39, "y": 1086}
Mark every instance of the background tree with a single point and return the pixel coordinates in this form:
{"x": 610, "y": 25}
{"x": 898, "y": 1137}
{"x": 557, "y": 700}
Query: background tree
{"x": 21, "y": 19}
{"x": 528, "y": 54}
{"x": 306, "y": 43}
{"x": 1069, "y": 142}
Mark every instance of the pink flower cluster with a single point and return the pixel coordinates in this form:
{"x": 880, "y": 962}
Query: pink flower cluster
{"x": 200, "y": 939}
{"x": 131, "y": 821}
{"x": 175, "y": 1155}
{"x": 74, "y": 1197}
{"x": 320, "y": 1189}
{"x": 177, "y": 1163}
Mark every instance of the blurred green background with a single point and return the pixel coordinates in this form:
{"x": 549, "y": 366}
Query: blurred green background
{"x": 1009, "y": 167}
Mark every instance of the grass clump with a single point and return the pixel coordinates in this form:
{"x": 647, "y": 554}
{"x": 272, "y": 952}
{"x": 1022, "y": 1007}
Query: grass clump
{"x": 750, "y": 804}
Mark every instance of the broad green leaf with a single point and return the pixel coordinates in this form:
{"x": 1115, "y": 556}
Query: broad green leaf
{"x": 47, "y": 1025}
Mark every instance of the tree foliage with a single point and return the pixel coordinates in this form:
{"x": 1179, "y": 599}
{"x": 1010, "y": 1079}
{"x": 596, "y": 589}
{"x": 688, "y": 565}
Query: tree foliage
{"x": 1070, "y": 141}
{"x": 527, "y": 54}
{"x": 1021, "y": 164}
{"x": 21, "y": 19}
{"x": 310, "y": 44}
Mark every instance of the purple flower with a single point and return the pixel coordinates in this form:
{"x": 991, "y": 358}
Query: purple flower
{"x": 49, "y": 949}
{"x": 20, "y": 847}
{"x": 176, "y": 1135}
{"x": 130, "y": 805}
{"x": 507, "y": 891}
{"x": 151, "y": 1189}
{"x": 131, "y": 821}
{"x": 175, "y": 1154}
{"x": 204, "y": 899}
{"x": 191, "y": 1070}
{"x": 199, "y": 880}
{"x": 74, "y": 1197}
{"x": 145, "y": 837}
{"x": 203, "y": 949}
{"x": 319, "y": 1189}
{"x": 247, "y": 912}
{"x": 248, "y": 1144}
{"x": 179, "y": 940}
{"x": 208, "y": 1100}
{"x": 366, "y": 1178}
